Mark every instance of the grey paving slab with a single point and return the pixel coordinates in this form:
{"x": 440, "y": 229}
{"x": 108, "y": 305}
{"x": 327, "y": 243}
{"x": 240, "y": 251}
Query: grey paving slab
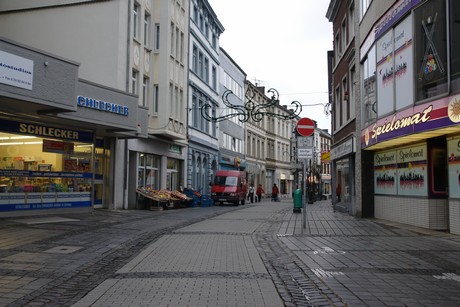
{"x": 183, "y": 292}
{"x": 198, "y": 253}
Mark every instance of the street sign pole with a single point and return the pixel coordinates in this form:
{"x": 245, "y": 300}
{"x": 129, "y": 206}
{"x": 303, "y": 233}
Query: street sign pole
{"x": 304, "y": 215}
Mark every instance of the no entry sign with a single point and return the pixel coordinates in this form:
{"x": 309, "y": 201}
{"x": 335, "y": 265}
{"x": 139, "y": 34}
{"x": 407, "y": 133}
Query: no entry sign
{"x": 305, "y": 126}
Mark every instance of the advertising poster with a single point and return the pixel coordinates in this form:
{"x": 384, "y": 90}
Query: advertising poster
{"x": 403, "y": 60}
{"x": 385, "y": 74}
{"x": 385, "y": 171}
{"x": 453, "y": 150}
{"x": 412, "y": 171}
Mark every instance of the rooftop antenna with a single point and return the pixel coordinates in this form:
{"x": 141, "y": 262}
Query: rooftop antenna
{"x": 257, "y": 82}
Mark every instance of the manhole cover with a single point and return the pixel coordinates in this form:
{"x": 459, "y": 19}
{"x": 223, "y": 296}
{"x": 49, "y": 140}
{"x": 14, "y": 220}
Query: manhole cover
{"x": 63, "y": 249}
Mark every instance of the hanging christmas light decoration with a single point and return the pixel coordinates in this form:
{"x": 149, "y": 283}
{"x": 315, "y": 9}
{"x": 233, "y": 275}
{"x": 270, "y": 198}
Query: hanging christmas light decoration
{"x": 250, "y": 110}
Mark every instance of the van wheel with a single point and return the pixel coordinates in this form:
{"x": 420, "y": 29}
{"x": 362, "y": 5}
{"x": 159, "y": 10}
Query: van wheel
{"x": 237, "y": 203}
{"x": 243, "y": 202}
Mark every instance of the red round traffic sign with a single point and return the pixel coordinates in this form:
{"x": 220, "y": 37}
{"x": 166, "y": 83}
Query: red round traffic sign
{"x": 305, "y": 126}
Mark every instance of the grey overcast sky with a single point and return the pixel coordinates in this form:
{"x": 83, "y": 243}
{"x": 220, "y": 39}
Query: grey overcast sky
{"x": 281, "y": 45}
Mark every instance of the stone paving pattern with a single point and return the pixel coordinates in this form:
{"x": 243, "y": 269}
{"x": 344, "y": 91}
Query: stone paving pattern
{"x": 252, "y": 255}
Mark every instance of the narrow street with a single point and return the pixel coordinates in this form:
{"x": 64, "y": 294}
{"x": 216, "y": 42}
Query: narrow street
{"x": 252, "y": 255}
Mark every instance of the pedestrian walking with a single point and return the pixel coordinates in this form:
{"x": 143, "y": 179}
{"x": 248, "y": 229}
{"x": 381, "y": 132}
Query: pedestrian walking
{"x": 251, "y": 193}
{"x": 338, "y": 192}
{"x": 259, "y": 192}
{"x": 275, "y": 192}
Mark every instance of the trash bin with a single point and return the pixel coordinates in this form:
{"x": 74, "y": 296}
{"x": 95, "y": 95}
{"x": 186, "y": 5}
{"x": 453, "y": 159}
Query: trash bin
{"x": 297, "y": 201}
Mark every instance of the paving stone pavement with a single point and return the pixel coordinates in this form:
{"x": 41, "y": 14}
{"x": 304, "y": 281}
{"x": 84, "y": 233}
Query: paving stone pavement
{"x": 252, "y": 255}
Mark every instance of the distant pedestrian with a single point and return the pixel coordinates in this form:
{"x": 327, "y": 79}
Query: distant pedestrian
{"x": 259, "y": 192}
{"x": 338, "y": 192}
{"x": 275, "y": 192}
{"x": 251, "y": 193}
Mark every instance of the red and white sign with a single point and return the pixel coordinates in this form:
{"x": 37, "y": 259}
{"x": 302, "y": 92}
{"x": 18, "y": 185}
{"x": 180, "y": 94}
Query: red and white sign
{"x": 305, "y": 126}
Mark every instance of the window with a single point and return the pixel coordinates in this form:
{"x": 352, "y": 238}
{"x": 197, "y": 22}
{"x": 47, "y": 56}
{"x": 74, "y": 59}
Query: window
{"x": 455, "y": 45}
{"x": 364, "y": 6}
{"x": 195, "y": 59}
{"x": 171, "y": 98}
{"x": 351, "y": 21}
{"x": 343, "y": 34}
{"x": 195, "y": 13}
{"x": 206, "y": 70}
{"x": 172, "y": 39}
{"x": 214, "y": 77}
{"x": 156, "y": 95}
{"x": 337, "y": 48}
{"x": 369, "y": 86}
{"x": 181, "y": 55}
{"x": 338, "y": 109}
{"x": 136, "y": 10}
{"x": 157, "y": 37}
{"x": 134, "y": 82}
{"x": 145, "y": 91}
{"x": 178, "y": 45}
{"x": 352, "y": 92}
{"x": 148, "y": 171}
{"x": 200, "y": 64}
{"x": 430, "y": 49}
{"x": 214, "y": 41}
{"x": 146, "y": 29}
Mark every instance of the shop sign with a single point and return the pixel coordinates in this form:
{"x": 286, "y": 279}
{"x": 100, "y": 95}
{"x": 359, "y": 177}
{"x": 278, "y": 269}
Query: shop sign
{"x": 326, "y": 156}
{"x": 343, "y": 149}
{"x": 401, "y": 171}
{"x": 174, "y": 148}
{"x": 57, "y": 147}
{"x": 22, "y": 173}
{"x": 45, "y": 131}
{"x": 396, "y": 12}
{"x": 16, "y": 71}
{"x": 96, "y": 104}
{"x": 437, "y": 114}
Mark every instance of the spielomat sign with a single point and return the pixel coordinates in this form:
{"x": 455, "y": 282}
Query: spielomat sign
{"x": 437, "y": 114}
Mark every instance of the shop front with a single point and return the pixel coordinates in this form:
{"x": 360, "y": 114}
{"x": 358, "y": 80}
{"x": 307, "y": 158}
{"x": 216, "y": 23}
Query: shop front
{"x": 416, "y": 180}
{"x": 58, "y": 135}
{"x": 45, "y": 167}
{"x": 343, "y": 176}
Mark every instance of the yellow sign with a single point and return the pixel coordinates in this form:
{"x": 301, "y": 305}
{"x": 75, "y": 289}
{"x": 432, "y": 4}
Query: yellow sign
{"x": 326, "y": 156}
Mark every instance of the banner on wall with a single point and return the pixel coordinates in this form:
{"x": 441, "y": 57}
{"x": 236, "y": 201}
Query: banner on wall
{"x": 385, "y": 172}
{"x": 385, "y": 74}
{"x": 401, "y": 171}
{"x": 403, "y": 61}
{"x": 453, "y": 151}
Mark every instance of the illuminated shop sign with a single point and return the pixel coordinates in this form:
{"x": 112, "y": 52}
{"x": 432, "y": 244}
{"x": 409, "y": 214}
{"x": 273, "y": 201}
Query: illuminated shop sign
{"x": 100, "y": 105}
{"x": 437, "y": 114}
{"x": 16, "y": 71}
{"x": 45, "y": 131}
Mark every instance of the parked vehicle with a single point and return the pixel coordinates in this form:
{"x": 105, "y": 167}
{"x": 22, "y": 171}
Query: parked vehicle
{"x": 229, "y": 186}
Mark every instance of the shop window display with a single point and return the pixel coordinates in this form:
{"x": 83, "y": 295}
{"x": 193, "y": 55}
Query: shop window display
{"x": 44, "y": 173}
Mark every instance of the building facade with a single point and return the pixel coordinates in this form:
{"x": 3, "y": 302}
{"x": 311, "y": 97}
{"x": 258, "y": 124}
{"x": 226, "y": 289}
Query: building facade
{"x": 232, "y": 132}
{"x": 345, "y": 118}
{"x": 203, "y": 89}
{"x": 406, "y": 109}
{"x": 410, "y": 130}
{"x": 78, "y": 103}
{"x": 148, "y": 59}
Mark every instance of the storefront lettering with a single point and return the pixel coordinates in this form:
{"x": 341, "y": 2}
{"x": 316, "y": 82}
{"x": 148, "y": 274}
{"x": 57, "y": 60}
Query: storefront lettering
{"x": 382, "y": 159}
{"x": 96, "y": 104}
{"x": 48, "y": 131}
{"x": 396, "y": 124}
{"x": 403, "y": 155}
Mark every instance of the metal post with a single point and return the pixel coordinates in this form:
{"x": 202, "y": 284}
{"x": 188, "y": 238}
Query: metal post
{"x": 304, "y": 215}
{"x": 310, "y": 185}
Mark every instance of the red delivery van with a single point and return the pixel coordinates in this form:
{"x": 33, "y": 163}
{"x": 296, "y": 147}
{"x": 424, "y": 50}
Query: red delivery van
{"x": 229, "y": 187}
